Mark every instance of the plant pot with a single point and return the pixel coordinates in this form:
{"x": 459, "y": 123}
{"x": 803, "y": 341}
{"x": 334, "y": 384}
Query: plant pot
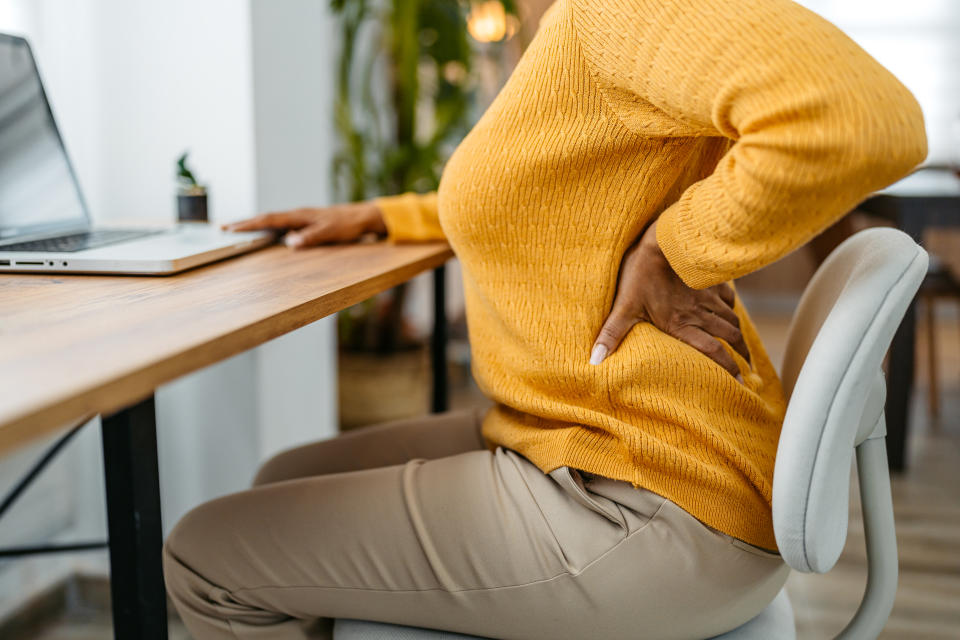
{"x": 377, "y": 388}
{"x": 192, "y": 207}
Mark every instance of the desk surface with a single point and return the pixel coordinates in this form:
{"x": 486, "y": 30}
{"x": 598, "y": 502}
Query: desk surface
{"x": 934, "y": 183}
{"x": 75, "y": 346}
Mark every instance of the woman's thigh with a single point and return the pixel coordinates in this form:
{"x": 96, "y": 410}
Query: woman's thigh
{"x": 418, "y": 543}
{"x": 381, "y": 445}
{"x": 481, "y": 542}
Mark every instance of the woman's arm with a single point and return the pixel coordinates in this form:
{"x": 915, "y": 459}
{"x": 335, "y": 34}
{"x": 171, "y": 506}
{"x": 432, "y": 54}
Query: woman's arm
{"x": 408, "y": 217}
{"x": 411, "y": 217}
{"x": 311, "y": 226}
{"x": 818, "y": 124}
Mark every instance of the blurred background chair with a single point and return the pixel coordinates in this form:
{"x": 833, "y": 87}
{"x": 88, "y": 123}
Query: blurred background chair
{"x": 832, "y": 374}
{"x": 940, "y": 283}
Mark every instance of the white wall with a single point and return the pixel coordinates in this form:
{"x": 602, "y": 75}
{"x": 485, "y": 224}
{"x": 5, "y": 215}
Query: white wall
{"x": 919, "y": 42}
{"x": 246, "y": 87}
{"x": 174, "y": 75}
{"x": 294, "y": 45}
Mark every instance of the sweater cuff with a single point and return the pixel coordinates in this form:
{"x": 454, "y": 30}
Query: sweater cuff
{"x": 682, "y": 245}
{"x": 409, "y": 217}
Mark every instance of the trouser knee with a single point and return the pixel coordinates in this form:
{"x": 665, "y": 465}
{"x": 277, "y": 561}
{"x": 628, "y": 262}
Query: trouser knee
{"x": 191, "y": 555}
{"x": 270, "y": 471}
{"x": 176, "y": 573}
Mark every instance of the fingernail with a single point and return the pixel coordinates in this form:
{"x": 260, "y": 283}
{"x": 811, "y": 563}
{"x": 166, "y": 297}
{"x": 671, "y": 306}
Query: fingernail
{"x": 598, "y": 354}
{"x": 293, "y": 240}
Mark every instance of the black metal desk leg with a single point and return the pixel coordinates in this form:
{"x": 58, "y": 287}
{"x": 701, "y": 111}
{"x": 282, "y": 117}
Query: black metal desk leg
{"x": 910, "y": 217}
{"x": 438, "y": 342}
{"x": 133, "y": 522}
{"x": 900, "y": 387}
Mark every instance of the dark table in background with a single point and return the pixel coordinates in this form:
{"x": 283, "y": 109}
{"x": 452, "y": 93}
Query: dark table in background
{"x": 927, "y": 198}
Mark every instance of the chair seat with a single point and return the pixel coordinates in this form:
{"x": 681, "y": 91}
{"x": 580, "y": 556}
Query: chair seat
{"x": 774, "y": 623}
{"x": 345, "y": 629}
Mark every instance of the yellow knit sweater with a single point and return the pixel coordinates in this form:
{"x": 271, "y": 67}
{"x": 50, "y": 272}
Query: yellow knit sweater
{"x": 747, "y": 127}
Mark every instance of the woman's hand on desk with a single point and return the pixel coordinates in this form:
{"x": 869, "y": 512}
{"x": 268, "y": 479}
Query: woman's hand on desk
{"x": 648, "y": 290}
{"x": 308, "y": 227}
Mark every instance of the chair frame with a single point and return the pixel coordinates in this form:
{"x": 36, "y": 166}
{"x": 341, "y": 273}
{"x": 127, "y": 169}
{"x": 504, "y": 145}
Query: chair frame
{"x": 876, "y": 500}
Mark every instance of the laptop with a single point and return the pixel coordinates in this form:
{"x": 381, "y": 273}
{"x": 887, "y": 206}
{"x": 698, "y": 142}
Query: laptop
{"x": 44, "y": 222}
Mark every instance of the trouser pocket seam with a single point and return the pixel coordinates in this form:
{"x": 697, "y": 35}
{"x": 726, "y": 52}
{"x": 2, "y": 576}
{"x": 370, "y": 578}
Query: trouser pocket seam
{"x": 570, "y": 477}
{"x": 757, "y": 551}
{"x": 619, "y": 544}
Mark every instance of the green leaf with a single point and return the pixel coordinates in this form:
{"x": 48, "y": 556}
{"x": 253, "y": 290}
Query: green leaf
{"x": 183, "y": 173}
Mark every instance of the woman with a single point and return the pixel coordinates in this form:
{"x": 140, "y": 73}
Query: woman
{"x": 643, "y": 154}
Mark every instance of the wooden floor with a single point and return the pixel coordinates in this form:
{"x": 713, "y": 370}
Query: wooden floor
{"x": 926, "y": 502}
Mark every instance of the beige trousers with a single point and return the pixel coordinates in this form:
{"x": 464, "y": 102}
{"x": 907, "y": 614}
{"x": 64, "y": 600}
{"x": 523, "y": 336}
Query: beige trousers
{"x": 415, "y": 522}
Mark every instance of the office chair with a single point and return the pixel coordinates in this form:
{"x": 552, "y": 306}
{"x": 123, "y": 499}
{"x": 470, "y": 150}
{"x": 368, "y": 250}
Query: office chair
{"x": 833, "y": 378}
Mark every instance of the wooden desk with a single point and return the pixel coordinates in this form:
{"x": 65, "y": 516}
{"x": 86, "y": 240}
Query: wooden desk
{"x": 926, "y": 198}
{"x": 72, "y": 347}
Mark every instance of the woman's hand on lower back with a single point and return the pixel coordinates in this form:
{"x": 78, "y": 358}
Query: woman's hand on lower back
{"x": 648, "y": 290}
{"x": 308, "y": 227}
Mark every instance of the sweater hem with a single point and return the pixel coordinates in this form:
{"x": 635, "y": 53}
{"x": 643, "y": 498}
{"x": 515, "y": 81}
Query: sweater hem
{"x": 729, "y": 513}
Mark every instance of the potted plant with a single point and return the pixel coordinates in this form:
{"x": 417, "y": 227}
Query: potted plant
{"x": 404, "y": 92}
{"x": 191, "y": 196}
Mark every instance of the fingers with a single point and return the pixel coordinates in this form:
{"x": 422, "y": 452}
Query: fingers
{"x": 726, "y": 293}
{"x": 278, "y": 220}
{"x": 729, "y": 328}
{"x": 720, "y": 321}
{"x": 720, "y": 327}
{"x": 618, "y": 323}
{"x": 718, "y": 307}
{"x": 704, "y": 343}
{"x": 310, "y": 236}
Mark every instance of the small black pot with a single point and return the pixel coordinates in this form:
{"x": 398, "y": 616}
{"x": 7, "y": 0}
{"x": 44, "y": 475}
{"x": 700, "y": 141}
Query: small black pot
{"x": 192, "y": 208}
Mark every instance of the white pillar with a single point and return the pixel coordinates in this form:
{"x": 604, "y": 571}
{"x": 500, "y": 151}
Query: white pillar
{"x": 294, "y": 52}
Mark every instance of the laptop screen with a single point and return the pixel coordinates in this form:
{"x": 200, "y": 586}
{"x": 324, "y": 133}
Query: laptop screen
{"x": 38, "y": 191}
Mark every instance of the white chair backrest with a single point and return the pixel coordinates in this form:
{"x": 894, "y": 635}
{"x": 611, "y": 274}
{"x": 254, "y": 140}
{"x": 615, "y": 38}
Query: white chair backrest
{"x": 832, "y": 374}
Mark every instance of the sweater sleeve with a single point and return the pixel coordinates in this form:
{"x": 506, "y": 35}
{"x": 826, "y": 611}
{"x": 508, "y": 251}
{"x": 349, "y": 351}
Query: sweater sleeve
{"x": 411, "y": 217}
{"x": 817, "y": 124}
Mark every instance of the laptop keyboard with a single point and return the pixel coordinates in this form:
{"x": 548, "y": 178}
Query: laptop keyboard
{"x": 79, "y": 241}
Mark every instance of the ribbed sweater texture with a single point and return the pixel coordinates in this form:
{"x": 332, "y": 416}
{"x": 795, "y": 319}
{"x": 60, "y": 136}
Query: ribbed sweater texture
{"x": 745, "y": 127}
